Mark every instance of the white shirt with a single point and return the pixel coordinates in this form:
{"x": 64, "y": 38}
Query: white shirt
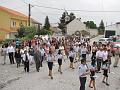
{"x": 82, "y": 70}
{"x": 59, "y": 56}
{"x": 50, "y": 58}
{"x": 83, "y": 50}
{"x": 24, "y": 57}
{"x": 71, "y": 54}
{"x": 76, "y": 48}
{"x": 42, "y": 51}
{"x": 105, "y": 55}
{"x": 61, "y": 47}
{"x": 10, "y": 49}
{"x": 99, "y": 54}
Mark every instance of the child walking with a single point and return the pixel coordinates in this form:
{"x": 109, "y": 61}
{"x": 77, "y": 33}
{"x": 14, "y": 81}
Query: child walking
{"x": 60, "y": 57}
{"x": 93, "y": 69}
{"x": 105, "y": 72}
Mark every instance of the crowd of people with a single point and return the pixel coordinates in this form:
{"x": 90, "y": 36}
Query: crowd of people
{"x": 75, "y": 49}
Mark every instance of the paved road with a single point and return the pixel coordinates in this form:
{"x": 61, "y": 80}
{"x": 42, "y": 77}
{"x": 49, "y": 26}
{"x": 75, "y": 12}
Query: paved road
{"x": 12, "y": 78}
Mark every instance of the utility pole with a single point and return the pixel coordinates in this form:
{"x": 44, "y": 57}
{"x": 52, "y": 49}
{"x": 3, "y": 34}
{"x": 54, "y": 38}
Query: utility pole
{"x": 29, "y": 14}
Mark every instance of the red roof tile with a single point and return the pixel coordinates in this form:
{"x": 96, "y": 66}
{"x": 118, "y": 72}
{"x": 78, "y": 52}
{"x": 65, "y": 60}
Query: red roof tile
{"x": 12, "y": 12}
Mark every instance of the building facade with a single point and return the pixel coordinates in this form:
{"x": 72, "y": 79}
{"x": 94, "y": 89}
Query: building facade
{"x": 112, "y": 30}
{"x": 75, "y": 26}
{"x": 10, "y": 21}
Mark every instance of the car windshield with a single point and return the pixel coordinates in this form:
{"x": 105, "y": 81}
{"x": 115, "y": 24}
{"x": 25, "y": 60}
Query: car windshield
{"x": 102, "y": 40}
{"x": 116, "y": 45}
{"x": 109, "y": 39}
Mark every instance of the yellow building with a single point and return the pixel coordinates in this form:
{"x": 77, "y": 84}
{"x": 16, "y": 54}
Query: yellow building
{"x": 10, "y": 21}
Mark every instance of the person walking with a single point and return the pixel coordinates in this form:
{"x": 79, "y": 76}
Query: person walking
{"x": 105, "y": 69}
{"x": 77, "y": 49}
{"x": 117, "y": 56}
{"x": 4, "y": 53}
{"x": 83, "y": 51}
{"x": 10, "y": 51}
{"x": 31, "y": 52}
{"x": 42, "y": 51}
{"x": 37, "y": 58}
{"x": 50, "y": 60}
{"x": 92, "y": 76}
{"x": 18, "y": 57}
{"x": 71, "y": 57}
{"x": 99, "y": 57}
{"x": 60, "y": 57}
{"x": 26, "y": 58}
{"x": 83, "y": 72}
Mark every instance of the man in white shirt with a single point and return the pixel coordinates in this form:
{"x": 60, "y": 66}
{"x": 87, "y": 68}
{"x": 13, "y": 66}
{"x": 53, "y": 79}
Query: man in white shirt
{"x": 10, "y": 51}
{"x": 42, "y": 51}
{"x": 99, "y": 56}
{"x": 83, "y": 72}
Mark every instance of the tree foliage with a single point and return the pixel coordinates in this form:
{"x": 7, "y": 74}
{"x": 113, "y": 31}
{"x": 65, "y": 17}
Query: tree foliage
{"x": 26, "y": 32}
{"x": 47, "y": 23}
{"x": 64, "y": 20}
{"x": 46, "y": 32}
{"x": 21, "y": 32}
{"x": 91, "y": 24}
{"x": 101, "y": 27}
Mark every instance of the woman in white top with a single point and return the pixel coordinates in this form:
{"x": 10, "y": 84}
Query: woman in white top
{"x": 51, "y": 59}
{"x": 4, "y": 53}
{"x": 83, "y": 51}
{"x": 59, "y": 58}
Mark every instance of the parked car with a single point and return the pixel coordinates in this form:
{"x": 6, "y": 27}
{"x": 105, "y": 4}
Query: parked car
{"x": 105, "y": 40}
{"x": 114, "y": 47}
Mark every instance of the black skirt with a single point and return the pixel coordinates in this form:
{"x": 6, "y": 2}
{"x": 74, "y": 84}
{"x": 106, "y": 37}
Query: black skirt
{"x": 59, "y": 61}
{"x": 50, "y": 65}
{"x": 105, "y": 73}
{"x": 71, "y": 59}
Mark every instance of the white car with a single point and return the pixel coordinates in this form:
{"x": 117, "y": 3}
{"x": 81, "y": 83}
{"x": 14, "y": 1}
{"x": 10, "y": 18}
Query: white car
{"x": 105, "y": 40}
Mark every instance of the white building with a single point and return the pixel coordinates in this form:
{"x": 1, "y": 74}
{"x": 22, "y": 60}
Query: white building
{"x": 93, "y": 32}
{"x": 75, "y": 25}
{"x": 112, "y": 30}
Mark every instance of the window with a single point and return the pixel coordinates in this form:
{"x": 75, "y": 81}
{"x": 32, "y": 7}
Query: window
{"x": 13, "y": 24}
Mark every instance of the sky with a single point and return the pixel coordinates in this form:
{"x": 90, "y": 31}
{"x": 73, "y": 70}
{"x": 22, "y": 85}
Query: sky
{"x": 39, "y": 13}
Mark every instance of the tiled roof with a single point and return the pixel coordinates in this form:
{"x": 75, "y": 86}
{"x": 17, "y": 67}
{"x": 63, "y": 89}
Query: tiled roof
{"x": 12, "y": 12}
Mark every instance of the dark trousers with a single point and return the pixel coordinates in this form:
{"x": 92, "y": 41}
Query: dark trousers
{"x": 99, "y": 62}
{"x": 83, "y": 56}
{"x": 11, "y": 58}
{"x": 93, "y": 55}
{"x": 18, "y": 61}
{"x": 42, "y": 58}
{"x": 26, "y": 66}
{"x": 82, "y": 83}
{"x": 38, "y": 65}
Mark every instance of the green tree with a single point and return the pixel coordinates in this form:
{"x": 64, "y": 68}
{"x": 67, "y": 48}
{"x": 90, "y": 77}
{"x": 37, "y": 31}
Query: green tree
{"x": 30, "y": 32}
{"x": 47, "y": 23}
{"x": 101, "y": 27}
{"x": 45, "y": 32}
{"x": 21, "y": 32}
{"x": 64, "y": 20}
{"x": 91, "y": 24}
